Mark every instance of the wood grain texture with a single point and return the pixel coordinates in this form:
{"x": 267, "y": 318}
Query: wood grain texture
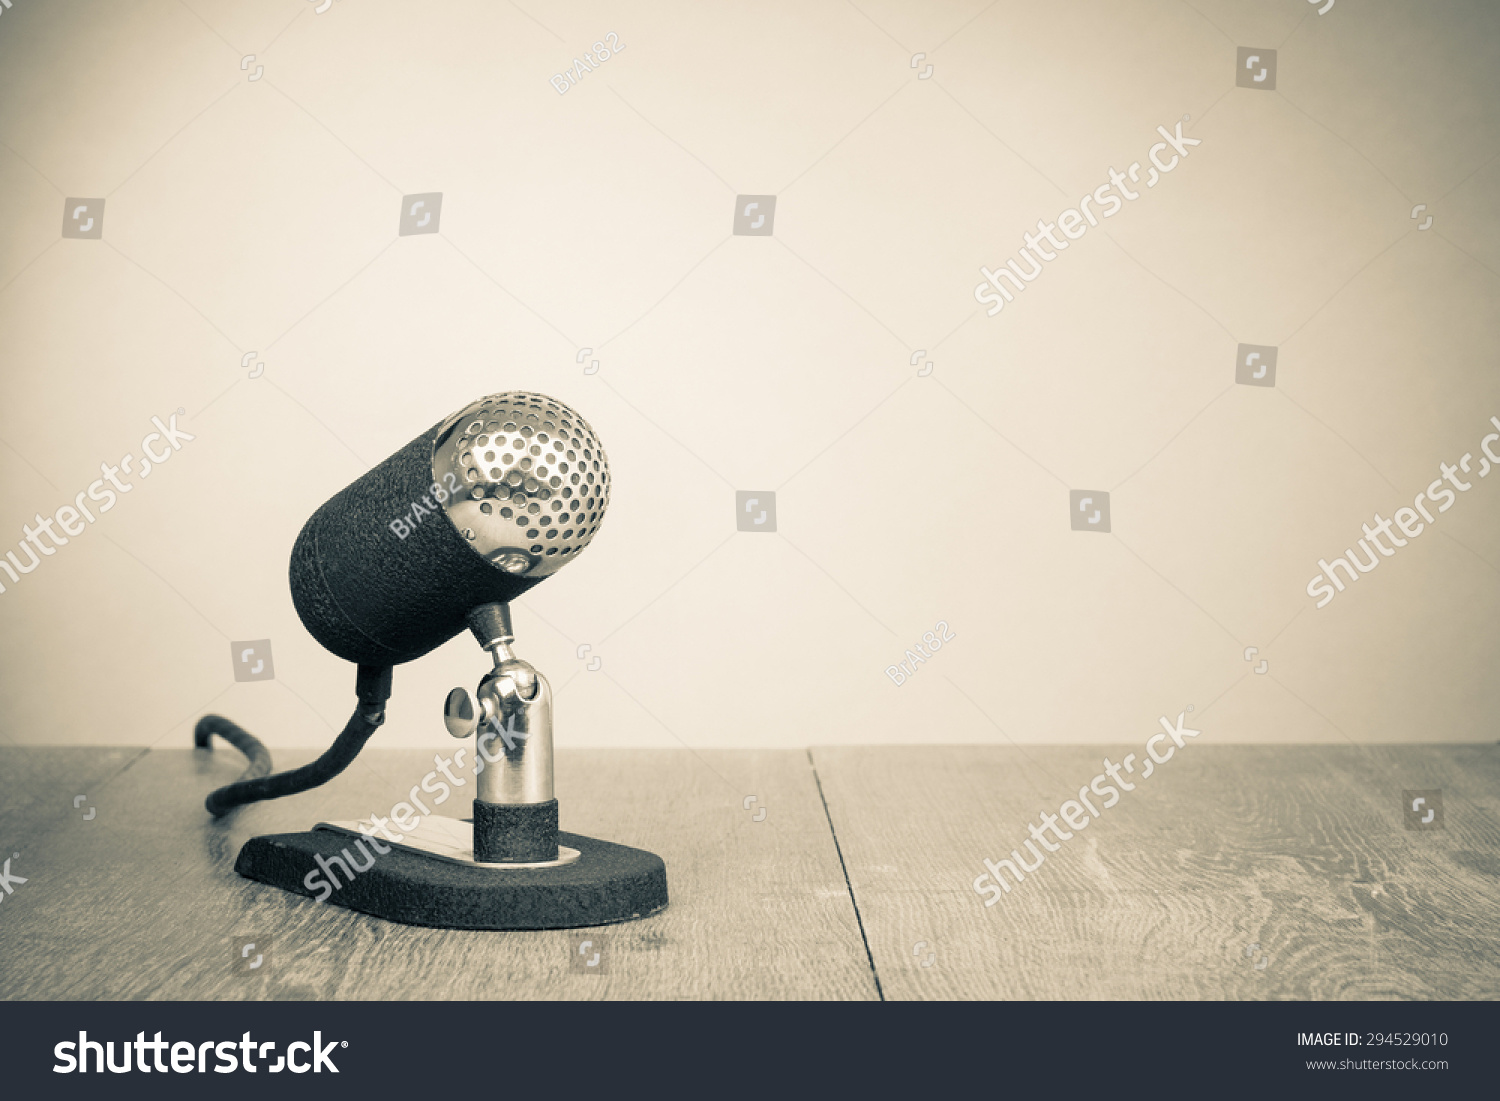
{"x": 38, "y": 785}
{"x": 1299, "y": 849}
{"x": 142, "y": 902}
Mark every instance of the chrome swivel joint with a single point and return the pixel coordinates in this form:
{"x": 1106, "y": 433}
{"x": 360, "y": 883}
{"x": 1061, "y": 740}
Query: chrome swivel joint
{"x": 515, "y": 811}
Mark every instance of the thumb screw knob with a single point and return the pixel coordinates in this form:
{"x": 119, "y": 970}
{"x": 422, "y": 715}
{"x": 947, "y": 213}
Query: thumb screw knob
{"x": 460, "y": 715}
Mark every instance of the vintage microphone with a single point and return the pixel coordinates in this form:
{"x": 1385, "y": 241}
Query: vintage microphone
{"x": 476, "y": 510}
{"x": 442, "y": 535}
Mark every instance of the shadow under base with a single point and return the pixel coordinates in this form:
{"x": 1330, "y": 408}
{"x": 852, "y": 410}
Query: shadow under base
{"x": 608, "y": 883}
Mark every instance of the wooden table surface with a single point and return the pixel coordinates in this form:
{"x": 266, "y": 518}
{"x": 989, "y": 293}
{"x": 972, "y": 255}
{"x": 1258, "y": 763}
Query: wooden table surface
{"x": 854, "y": 884}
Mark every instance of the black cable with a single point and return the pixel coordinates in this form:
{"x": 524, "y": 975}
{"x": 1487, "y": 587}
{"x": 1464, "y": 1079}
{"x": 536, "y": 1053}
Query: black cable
{"x": 244, "y": 741}
{"x": 373, "y": 685}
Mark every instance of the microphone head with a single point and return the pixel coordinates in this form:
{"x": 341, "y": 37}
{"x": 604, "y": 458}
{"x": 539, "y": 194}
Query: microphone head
{"x": 476, "y": 510}
{"x": 532, "y": 481}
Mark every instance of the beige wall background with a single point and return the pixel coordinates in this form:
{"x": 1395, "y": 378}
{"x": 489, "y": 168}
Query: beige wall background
{"x": 261, "y": 216}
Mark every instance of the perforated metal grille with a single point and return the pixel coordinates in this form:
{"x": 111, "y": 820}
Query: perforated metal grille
{"x": 532, "y": 480}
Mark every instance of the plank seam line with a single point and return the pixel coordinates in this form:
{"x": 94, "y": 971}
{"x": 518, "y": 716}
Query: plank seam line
{"x": 865, "y": 940}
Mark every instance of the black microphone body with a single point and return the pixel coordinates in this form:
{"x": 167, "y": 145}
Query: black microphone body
{"x": 375, "y": 598}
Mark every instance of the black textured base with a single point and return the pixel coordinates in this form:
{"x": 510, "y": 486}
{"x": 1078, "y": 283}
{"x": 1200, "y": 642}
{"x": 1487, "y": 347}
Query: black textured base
{"x": 608, "y": 883}
{"x": 524, "y": 833}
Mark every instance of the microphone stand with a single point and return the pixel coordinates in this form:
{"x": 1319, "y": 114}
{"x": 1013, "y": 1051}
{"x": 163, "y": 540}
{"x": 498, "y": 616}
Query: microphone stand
{"x": 515, "y": 811}
{"x": 511, "y": 868}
